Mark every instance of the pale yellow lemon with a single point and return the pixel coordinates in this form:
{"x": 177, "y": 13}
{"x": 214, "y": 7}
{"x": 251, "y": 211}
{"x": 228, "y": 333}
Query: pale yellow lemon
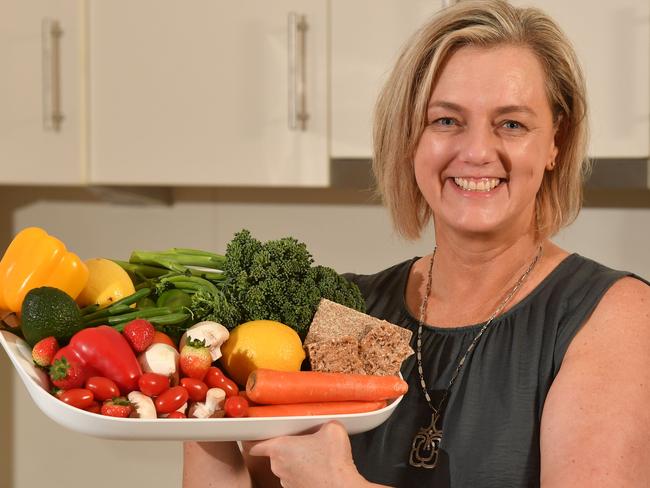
{"x": 261, "y": 344}
{"x": 107, "y": 283}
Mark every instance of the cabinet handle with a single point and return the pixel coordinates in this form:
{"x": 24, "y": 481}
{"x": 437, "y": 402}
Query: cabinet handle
{"x": 51, "y": 33}
{"x": 297, "y": 97}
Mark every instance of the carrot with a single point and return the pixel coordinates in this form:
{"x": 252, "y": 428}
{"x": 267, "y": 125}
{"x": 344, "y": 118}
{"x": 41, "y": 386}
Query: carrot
{"x": 320, "y": 408}
{"x": 268, "y": 386}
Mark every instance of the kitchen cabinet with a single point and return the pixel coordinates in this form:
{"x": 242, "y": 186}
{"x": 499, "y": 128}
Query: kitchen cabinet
{"x": 612, "y": 40}
{"x": 41, "y": 93}
{"x": 199, "y": 93}
{"x": 366, "y": 40}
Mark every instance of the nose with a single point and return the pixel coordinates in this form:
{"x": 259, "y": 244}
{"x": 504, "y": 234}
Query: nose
{"x": 479, "y": 145}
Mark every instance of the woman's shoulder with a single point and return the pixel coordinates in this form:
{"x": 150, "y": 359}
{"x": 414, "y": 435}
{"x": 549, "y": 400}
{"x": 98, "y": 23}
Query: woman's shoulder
{"x": 388, "y": 277}
{"x": 580, "y": 279}
{"x": 385, "y": 287}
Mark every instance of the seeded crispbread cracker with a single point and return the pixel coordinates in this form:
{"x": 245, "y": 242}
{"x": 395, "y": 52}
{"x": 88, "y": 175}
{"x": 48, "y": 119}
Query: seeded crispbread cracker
{"x": 383, "y": 345}
{"x": 335, "y": 356}
{"x": 333, "y": 320}
{"x": 382, "y": 351}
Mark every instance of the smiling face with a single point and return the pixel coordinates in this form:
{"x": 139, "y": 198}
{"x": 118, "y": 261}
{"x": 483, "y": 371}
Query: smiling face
{"x": 488, "y": 140}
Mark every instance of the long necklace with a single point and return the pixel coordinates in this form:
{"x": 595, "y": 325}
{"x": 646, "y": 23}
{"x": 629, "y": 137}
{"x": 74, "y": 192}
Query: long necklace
{"x": 426, "y": 443}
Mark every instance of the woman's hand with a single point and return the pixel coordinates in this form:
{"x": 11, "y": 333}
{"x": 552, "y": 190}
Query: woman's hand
{"x": 318, "y": 460}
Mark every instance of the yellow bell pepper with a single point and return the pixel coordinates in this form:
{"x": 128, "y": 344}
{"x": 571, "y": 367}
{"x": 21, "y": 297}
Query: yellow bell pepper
{"x": 35, "y": 259}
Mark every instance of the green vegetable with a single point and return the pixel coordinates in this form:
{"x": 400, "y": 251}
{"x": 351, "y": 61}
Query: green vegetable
{"x": 48, "y": 311}
{"x": 275, "y": 280}
{"x": 174, "y": 298}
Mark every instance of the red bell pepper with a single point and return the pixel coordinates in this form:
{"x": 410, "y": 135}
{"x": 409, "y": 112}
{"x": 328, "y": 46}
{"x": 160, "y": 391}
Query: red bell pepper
{"x": 102, "y": 351}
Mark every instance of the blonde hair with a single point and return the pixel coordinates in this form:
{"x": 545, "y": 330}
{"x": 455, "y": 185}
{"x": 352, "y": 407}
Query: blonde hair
{"x": 400, "y": 112}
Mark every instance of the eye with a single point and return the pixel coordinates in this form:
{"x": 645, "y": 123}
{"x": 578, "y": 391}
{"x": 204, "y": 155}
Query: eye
{"x": 512, "y": 125}
{"x": 444, "y": 122}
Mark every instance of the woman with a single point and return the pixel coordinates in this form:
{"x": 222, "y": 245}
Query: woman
{"x": 532, "y": 364}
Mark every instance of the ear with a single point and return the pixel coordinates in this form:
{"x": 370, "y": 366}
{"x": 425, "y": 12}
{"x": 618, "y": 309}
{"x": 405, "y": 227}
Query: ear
{"x": 550, "y": 165}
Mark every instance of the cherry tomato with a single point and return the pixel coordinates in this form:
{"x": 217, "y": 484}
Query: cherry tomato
{"x": 176, "y": 415}
{"x": 103, "y": 388}
{"x": 245, "y": 397}
{"x": 77, "y": 397}
{"x": 94, "y": 407}
{"x": 236, "y": 406}
{"x": 215, "y": 378}
{"x": 153, "y": 384}
{"x": 171, "y": 399}
{"x": 196, "y": 389}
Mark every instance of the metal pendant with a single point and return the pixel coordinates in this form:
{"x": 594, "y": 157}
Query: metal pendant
{"x": 426, "y": 445}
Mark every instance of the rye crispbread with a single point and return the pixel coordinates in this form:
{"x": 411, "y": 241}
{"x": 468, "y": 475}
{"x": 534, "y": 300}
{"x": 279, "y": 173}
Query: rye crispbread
{"x": 382, "y": 350}
{"x": 336, "y": 356}
{"x": 341, "y": 339}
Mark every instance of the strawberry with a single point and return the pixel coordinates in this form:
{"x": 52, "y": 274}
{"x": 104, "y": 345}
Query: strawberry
{"x": 44, "y": 350}
{"x": 195, "y": 359}
{"x": 117, "y": 407}
{"x": 67, "y": 373}
{"x": 139, "y": 333}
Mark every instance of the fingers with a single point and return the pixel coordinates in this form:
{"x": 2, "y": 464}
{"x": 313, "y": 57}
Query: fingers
{"x": 263, "y": 448}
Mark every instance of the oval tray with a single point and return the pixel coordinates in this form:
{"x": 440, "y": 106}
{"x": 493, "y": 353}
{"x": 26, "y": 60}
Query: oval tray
{"x": 223, "y": 429}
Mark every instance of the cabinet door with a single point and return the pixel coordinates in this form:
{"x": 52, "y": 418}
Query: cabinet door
{"x": 40, "y": 92}
{"x": 366, "y": 39}
{"x": 612, "y": 40}
{"x": 197, "y": 93}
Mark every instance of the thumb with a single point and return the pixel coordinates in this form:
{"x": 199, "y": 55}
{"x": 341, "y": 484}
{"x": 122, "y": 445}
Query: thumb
{"x": 260, "y": 448}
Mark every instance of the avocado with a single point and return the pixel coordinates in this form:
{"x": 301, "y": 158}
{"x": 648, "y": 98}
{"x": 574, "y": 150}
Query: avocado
{"x": 48, "y": 311}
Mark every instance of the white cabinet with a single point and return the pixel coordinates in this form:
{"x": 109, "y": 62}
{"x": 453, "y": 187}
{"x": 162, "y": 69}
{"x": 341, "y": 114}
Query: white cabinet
{"x": 366, "y": 39}
{"x": 612, "y": 40}
{"x": 41, "y": 93}
{"x": 197, "y": 93}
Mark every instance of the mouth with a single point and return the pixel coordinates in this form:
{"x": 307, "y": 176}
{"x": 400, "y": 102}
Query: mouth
{"x": 477, "y": 184}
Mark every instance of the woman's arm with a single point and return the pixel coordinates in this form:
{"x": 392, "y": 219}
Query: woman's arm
{"x": 596, "y": 422}
{"x": 214, "y": 464}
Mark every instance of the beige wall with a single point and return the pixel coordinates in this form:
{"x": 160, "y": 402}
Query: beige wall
{"x": 342, "y": 230}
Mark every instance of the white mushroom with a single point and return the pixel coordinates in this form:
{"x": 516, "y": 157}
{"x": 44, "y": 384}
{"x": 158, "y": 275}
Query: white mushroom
{"x": 214, "y": 401}
{"x": 212, "y": 333}
{"x": 144, "y": 407}
{"x": 161, "y": 359}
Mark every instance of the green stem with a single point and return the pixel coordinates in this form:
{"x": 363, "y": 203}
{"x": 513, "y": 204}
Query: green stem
{"x": 126, "y": 317}
{"x": 128, "y": 300}
{"x": 193, "y": 283}
{"x": 89, "y": 309}
{"x": 106, "y": 312}
{"x": 177, "y": 260}
{"x": 167, "y": 319}
{"x": 142, "y": 271}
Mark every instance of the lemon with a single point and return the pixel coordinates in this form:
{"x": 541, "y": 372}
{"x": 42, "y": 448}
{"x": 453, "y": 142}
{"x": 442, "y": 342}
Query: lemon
{"x": 261, "y": 344}
{"x": 107, "y": 283}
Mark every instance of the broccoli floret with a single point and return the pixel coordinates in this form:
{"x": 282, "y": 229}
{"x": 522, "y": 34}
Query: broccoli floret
{"x": 275, "y": 280}
{"x": 338, "y": 289}
{"x": 240, "y": 252}
{"x": 223, "y": 311}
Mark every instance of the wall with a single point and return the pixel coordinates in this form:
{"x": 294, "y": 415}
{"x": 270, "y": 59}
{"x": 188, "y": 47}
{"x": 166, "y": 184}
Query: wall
{"x": 343, "y": 230}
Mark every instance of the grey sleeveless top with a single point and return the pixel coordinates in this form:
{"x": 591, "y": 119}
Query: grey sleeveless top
{"x": 491, "y": 420}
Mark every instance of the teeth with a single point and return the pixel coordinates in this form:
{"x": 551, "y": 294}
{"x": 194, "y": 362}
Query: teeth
{"x": 484, "y": 184}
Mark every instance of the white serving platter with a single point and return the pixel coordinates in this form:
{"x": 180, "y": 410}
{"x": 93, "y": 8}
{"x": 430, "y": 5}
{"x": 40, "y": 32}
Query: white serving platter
{"x": 224, "y": 429}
